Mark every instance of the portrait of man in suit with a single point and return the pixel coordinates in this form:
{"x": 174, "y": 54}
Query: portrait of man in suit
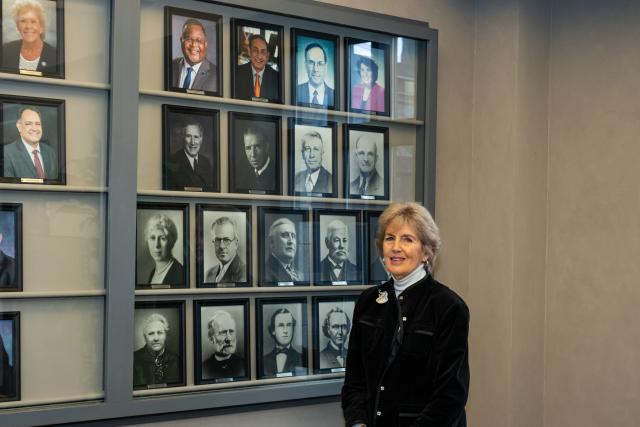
{"x": 314, "y": 178}
{"x": 8, "y": 264}
{"x": 9, "y": 356}
{"x": 29, "y": 156}
{"x": 256, "y": 168}
{"x": 230, "y": 269}
{"x": 336, "y": 267}
{"x": 188, "y": 168}
{"x": 315, "y": 92}
{"x": 224, "y": 362}
{"x": 283, "y": 358}
{"x": 280, "y": 266}
{"x": 367, "y": 179}
{"x": 257, "y": 79}
{"x": 192, "y": 70}
{"x": 336, "y": 327}
{"x": 154, "y": 363}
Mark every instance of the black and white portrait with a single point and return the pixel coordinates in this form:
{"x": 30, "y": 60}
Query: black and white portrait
{"x": 312, "y": 158}
{"x": 193, "y": 52}
{"x": 366, "y": 162}
{"x": 161, "y": 246}
{"x": 158, "y": 342}
{"x": 10, "y": 247}
{"x": 332, "y": 326}
{"x": 224, "y": 246}
{"x": 33, "y": 37}
{"x": 9, "y": 356}
{"x": 33, "y": 143}
{"x": 190, "y": 149}
{"x": 254, "y": 154}
{"x": 338, "y": 248}
{"x": 222, "y": 341}
{"x": 377, "y": 272}
{"x": 282, "y": 346}
{"x": 283, "y": 247}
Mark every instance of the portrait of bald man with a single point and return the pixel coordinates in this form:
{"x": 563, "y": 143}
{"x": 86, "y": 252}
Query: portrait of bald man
{"x": 222, "y": 331}
{"x": 367, "y": 164}
{"x": 313, "y": 160}
{"x": 338, "y": 253}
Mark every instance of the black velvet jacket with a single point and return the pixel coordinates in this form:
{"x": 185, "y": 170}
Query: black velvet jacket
{"x": 407, "y": 363}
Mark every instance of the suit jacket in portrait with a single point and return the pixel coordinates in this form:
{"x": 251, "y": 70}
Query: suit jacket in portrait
{"x": 233, "y": 367}
{"x": 7, "y": 271}
{"x": 275, "y": 272}
{"x": 18, "y": 164}
{"x": 48, "y": 63}
{"x": 375, "y": 188}
{"x": 146, "y": 373}
{"x": 375, "y": 101}
{"x": 246, "y": 178}
{"x": 269, "y": 87}
{"x": 180, "y": 174}
{"x": 292, "y": 364}
{"x": 378, "y": 272}
{"x": 7, "y": 373}
{"x": 303, "y": 95}
{"x": 349, "y": 272}
{"x": 324, "y": 184}
{"x": 206, "y": 78}
{"x": 329, "y": 357}
{"x": 237, "y": 272}
{"x": 175, "y": 275}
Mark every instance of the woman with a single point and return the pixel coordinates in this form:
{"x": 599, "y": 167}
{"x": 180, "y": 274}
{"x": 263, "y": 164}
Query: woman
{"x": 154, "y": 363}
{"x": 368, "y": 94}
{"x": 161, "y": 234}
{"x": 30, "y": 53}
{"x": 407, "y": 363}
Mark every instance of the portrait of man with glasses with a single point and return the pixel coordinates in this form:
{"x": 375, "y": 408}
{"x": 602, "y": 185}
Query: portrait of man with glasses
{"x": 317, "y": 83}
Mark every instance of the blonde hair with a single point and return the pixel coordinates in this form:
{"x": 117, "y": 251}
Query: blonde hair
{"x": 20, "y": 5}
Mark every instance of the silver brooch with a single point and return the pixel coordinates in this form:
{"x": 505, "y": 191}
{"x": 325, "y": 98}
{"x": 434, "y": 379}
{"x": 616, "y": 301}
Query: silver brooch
{"x": 383, "y": 297}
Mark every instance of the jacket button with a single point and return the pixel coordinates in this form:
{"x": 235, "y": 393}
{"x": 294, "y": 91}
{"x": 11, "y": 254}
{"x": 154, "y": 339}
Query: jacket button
{"x": 381, "y": 388}
{"x": 401, "y": 298}
{"x": 404, "y": 319}
{"x": 379, "y": 413}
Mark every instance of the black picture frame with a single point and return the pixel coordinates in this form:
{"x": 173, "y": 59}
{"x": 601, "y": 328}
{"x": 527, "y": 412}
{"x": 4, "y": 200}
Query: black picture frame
{"x": 239, "y": 271}
{"x": 342, "y": 222}
{"x": 16, "y": 163}
{"x": 359, "y": 51}
{"x": 242, "y": 86}
{"x": 180, "y": 129}
{"x": 10, "y": 367}
{"x": 238, "y": 367}
{"x": 330, "y": 341}
{"x": 377, "y": 187}
{"x": 301, "y": 94}
{"x": 11, "y": 247}
{"x": 276, "y": 309}
{"x": 51, "y": 60}
{"x": 271, "y": 270}
{"x": 173, "y": 358}
{"x": 208, "y": 78}
{"x": 376, "y": 272}
{"x": 326, "y": 176}
{"x": 242, "y": 176}
{"x": 177, "y": 275}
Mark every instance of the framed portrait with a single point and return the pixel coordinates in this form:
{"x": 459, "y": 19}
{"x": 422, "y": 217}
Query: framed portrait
{"x": 9, "y": 356}
{"x": 223, "y": 246}
{"x": 254, "y": 154}
{"x": 190, "y": 149}
{"x": 315, "y": 66}
{"x": 256, "y": 49}
{"x": 282, "y": 337}
{"x": 193, "y": 52}
{"x": 162, "y": 246}
{"x": 367, "y": 72}
{"x": 33, "y": 140}
{"x": 338, "y": 247}
{"x": 312, "y": 158}
{"x": 158, "y": 343}
{"x": 221, "y": 341}
{"x": 366, "y": 162}
{"x": 46, "y": 43}
{"x": 10, "y": 247}
{"x": 332, "y": 320}
{"x": 283, "y": 247}
{"x": 377, "y": 273}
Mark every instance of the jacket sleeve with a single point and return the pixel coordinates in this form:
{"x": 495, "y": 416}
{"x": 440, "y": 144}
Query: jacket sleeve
{"x": 354, "y": 391}
{"x": 451, "y": 376}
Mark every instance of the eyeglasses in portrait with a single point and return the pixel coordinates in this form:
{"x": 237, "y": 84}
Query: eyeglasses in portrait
{"x": 366, "y": 162}
{"x": 367, "y": 72}
{"x": 193, "y": 52}
{"x": 33, "y": 140}
{"x": 9, "y": 356}
{"x": 221, "y": 341}
{"x": 158, "y": 342}
{"x": 332, "y": 321}
{"x": 10, "y": 247}
{"x": 223, "y": 246}
{"x": 162, "y": 247}
{"x": 282, "y": 340}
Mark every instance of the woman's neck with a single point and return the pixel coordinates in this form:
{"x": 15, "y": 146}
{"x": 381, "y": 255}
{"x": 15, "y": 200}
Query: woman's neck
{"x": 415, "y": 276}
{"x": 31, "y": 51}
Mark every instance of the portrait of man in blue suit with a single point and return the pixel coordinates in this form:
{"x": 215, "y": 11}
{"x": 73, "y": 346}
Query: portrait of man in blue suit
{"x": 315, "y": 92}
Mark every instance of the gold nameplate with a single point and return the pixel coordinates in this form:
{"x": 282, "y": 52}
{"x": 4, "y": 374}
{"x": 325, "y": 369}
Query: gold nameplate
{"x": 259, "y": 99}
{"x": 160, "y": 286}
{"x": 31, "y": 73}
{"x": 195, "y": 92}
{"x": 32, "y": 180}
{"x": 193, "y": 189}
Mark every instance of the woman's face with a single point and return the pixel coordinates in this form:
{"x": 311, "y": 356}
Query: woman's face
{"x": 365, "y": 75}
{"x": 159, "y": 246}
{"x": 402, "y": 249}
{"x": 29, "y": 26}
